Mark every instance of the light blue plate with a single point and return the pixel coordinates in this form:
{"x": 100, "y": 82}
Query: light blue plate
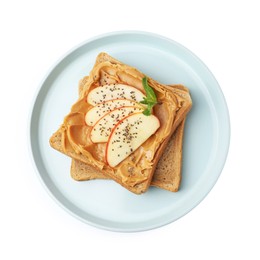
{"x": 106, "y": 204}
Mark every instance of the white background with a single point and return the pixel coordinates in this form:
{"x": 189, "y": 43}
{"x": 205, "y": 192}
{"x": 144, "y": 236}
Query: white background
{"x": 224, "y": 34}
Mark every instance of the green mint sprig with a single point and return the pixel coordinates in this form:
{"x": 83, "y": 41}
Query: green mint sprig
{"x": 150, "y": 100}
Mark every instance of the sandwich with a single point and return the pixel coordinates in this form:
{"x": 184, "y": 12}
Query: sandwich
{"x": 121, "y": 124}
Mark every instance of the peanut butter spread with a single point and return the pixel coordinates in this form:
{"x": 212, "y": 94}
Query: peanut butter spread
{"x": 136, "y": 168}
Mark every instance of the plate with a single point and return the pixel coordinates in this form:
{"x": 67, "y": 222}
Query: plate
{"x": 103, "y": 203}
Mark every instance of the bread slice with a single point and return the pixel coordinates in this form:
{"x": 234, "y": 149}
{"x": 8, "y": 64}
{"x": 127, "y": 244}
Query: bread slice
{"x": 72, "y": 136}
{"x": 168, "y": 170}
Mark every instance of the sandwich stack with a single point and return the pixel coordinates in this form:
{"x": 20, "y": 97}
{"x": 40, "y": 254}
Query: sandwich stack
{"x": 125, "y": 126}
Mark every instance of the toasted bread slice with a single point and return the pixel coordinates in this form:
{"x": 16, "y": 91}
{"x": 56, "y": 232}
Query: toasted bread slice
{"x": 72, "y": 137}
{"x": 168, "y": 170}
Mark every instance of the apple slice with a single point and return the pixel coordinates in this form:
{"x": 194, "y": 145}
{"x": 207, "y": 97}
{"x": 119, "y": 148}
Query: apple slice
{"x": 103, "y": 127}
{"x": 130, "y": 133}
{"x": 98, "y": 111}
{"x": 114, "y": 91}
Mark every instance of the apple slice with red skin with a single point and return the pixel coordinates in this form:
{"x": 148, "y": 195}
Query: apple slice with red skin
{"x": 99, "y": 110}
{"x": 103, "y": 127}
{"x": 129, "y": 134}
{"x": 114, "y": 91}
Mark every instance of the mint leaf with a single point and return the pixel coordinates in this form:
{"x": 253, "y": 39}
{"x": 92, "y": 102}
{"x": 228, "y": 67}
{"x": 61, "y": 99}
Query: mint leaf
{"x": 150, "y": 100}
{"x": 145, "y": 102}
{"x": 147, "y": 112}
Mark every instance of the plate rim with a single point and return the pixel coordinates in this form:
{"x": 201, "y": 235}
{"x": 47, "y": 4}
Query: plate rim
{"x": 100, "y": 37}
